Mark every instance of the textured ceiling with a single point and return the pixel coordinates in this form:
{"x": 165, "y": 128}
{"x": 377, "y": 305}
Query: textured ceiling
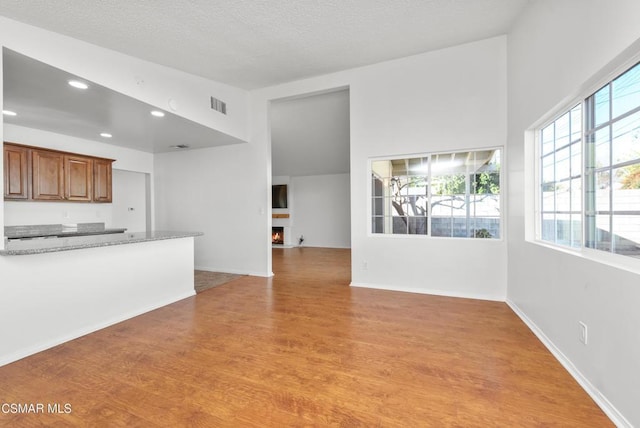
{"x": 257, "y": 43}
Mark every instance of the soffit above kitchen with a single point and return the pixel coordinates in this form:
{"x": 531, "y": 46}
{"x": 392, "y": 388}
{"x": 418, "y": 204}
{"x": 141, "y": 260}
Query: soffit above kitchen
{"x": 251, "y": 44}
{"x": 43, "y": 99}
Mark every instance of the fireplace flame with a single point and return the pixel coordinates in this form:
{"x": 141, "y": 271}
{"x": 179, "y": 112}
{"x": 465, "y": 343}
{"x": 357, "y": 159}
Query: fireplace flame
{"x": 277, "y": 237}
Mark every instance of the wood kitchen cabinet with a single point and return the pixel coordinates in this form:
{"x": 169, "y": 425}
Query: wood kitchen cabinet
{"x": 78, "y": 172}
{"x": 48, "y": 175}
{"x": 36, "y": 174}
{"x": 102, "y": 180}
{"x": 16, "y": 173}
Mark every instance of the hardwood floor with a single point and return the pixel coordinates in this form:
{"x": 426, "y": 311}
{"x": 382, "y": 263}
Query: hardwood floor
{"x": 304, "y": 349}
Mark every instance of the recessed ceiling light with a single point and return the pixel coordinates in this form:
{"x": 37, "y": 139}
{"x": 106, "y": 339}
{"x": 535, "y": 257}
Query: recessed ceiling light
{"x": 106, "y": 135}
{"x": 179, "y": 146}
{"x": 78, "y": 84}
{"x": 157, "y": 113}
{"x": 9, "y": 113}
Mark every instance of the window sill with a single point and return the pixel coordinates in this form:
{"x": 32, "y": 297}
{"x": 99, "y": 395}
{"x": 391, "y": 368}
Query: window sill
{"x": 627, "y": 263}
{"x": 429, "y": 237}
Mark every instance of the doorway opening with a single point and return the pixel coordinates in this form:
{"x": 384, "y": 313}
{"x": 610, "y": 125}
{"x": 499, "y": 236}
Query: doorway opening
{"x": 132, "y": 207}
{"x": 310, "y": 155}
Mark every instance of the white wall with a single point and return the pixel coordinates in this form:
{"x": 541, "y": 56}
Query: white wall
{"x": 128, "y": 159}
{"x": 18, "y": 212}
{"x": 444, "y": 100}
{"x": 222, "y": 192}
{"x": 556, "y": 50}
{"x": 21, "y": 213}
{"x": 321, "y": 205}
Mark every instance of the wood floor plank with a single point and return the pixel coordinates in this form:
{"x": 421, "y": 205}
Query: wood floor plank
{"x": 304, "y": 349}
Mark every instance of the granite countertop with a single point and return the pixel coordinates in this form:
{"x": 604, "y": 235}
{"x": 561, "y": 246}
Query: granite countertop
{"x": 65, "y": 233}
{"x": 50, "y": 245}
{"x": 57, "y": 230}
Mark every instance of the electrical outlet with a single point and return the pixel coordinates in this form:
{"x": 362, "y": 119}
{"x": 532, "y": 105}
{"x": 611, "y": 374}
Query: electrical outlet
{"x": 584, "y": 338}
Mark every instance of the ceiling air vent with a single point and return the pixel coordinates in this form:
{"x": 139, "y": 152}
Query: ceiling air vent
{"x": 218, "y": 105}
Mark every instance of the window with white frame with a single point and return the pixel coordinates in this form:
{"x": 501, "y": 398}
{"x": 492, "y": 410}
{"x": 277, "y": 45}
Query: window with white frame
{"x": 561, "y": 179}
{"x": 590, "y": 171}
{"x": 454, "y": 194}
{"x": 612, "y": 159}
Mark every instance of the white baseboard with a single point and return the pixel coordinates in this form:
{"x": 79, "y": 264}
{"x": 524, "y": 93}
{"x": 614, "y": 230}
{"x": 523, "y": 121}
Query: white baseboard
{"x": 22, "y": 353}
{"x": 434, "y": 292}
{"x": 339, "y": 247}
{"x": 609, "y": 409}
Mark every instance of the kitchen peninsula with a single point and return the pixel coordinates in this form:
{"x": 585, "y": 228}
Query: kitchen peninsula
{"x": 58, "y": 289}
{"x": 59, "y": 167}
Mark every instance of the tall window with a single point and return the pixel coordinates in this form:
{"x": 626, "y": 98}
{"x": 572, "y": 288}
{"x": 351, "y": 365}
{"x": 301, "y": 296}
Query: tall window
{"x": 561, "y": 179}
{"x": 613, "y": 166}
{"x": 610, "y": 182}
{"x": 447, "y": 194}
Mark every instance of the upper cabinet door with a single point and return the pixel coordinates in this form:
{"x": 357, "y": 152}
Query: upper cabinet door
{"x": 78, "y": 178}
{"x": 16, "y": 175}
{"x": 102, "y": 180}
{"x": 48, "y": 175}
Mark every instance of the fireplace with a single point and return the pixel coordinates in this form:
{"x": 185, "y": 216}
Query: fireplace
{"x": 277, "y": 235}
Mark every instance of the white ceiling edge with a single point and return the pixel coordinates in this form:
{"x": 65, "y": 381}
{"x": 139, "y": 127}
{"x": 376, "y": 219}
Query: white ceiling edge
{"x": 39, "y": 93}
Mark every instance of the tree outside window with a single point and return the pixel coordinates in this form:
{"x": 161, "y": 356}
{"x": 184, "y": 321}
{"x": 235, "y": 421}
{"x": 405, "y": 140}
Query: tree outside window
{"x": 446, "y": 194}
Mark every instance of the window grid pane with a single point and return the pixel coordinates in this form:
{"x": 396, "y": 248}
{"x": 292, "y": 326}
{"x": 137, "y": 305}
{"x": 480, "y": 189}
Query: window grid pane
{"x": 561, "y": 175}
{"x": 448, "y": 194}
{"x": 612, "y": 185}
